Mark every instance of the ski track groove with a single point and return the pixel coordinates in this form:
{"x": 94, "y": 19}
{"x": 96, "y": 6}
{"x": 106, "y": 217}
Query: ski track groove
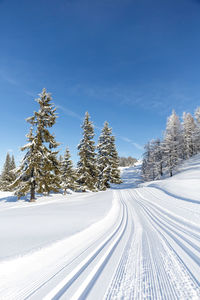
{"x": 187, "y": 246}
{"x": 177, "y": 220}
{"x": 88, "y": 283}
{"x": 156, "y": 271}
{"x": 31, "y": 289}
{"x": 121, "y": 268}
{"x": 191, "y": 285}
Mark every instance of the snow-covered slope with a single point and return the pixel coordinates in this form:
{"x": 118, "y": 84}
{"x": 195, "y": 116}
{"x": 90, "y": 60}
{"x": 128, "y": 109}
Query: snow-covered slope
{"x": 185, "y": 183}
{"x": 126, "y": 243}
{"x": 26, "y": 227}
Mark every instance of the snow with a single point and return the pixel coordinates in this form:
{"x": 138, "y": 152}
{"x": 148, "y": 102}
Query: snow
{"x": 28, "y": 226}
{"x": 134, "y": 241}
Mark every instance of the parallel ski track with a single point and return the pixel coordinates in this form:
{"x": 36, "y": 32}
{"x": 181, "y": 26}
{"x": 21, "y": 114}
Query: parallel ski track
{"x": 176, "y": 279}
{"x": 98, "y": 256}
{"x": 185, "y": 238}
{"x": 129, "y": 267}
{"x": 150, "y": 267}
{"x": 184, "y": 222}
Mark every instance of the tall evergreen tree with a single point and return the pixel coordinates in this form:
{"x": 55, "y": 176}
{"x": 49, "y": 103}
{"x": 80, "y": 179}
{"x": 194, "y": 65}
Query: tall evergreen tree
{"x": 103, "y": 158}
{"x": 8, "y": 174}
{"x": 153, "y": 166}
{"x": 68, "y": 174}
{"x": 197, "y": 131}
{"x": 173, "y": 143}
{"x": 189, "y": 128}
{"x": 5, "y": 176}
{"x": 107, "y": 159}
{"x": 148, "y": 165}
{"x": 158, "y": 157}
{"x": 115, "y": 172}
{"x": 39, "y": 170}
{"x": 87, "y": 171}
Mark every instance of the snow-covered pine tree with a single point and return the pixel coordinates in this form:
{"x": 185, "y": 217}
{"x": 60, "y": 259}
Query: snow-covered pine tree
{"x": 189, "y": 129}
{"x": 68, "y": 174}
{"x": 158, "y": 157}
{"x": 197, "y": 131}
{"x": 107, "y": 159}
{"x": 87, "y": 170}
{"x": 103, "y": 157}
{"x": 148, "y": 164}
{"x": 39, "y": 170}
{"x": 8, "y": 174}
{"x": 5, "y": 175}
{"x": 12, "y": 169}
{"x": 173, "y": 143}
{"x": 153, "y": 160}
{"x": 115, "y": 172}
{"x": 28, "y": 173}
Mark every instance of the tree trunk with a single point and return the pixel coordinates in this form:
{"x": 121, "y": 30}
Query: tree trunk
{"x": 32, "y": 199}
{"x": 161, "y": 171}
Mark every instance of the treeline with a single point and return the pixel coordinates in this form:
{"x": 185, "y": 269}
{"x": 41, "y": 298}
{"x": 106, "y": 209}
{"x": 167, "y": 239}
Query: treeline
{"x": 127, "y": 161}
{"x": 181, "y": 141}
{"x": 42, "y": 170}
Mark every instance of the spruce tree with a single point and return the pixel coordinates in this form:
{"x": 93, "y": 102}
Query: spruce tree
{"x": 68, "y": 174}
{"x": 115, "y": 172}
{"x": 197, "y": 131}
{"x": 107, "y": 159}
{"x": 158, "y": 158}
{"x": 173, "y": 143}
{"x": 8, "y": 174}
{"x": 39, "y": 170}
{"x": 87, "y": 171}
{"x": 103, "y": 158}
{"x": 148, "y": 164}
{"x": 189, "y": 129}
{"x": 6, "y": 169}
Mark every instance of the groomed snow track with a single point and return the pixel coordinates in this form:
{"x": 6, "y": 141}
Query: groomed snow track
{"x": 147, "y": 253}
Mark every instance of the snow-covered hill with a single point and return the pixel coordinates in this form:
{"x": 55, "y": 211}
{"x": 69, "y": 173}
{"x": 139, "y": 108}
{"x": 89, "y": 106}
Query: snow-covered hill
{"x": 185, "y": 183}
{"x": 130, "y": 242}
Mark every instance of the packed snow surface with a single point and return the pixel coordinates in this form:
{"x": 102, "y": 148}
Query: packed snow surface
{"x": 134, "y": 241}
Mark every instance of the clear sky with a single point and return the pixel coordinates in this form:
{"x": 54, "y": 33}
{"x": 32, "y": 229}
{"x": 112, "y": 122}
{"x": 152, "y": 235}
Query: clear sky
{"x": 129, "y": 62}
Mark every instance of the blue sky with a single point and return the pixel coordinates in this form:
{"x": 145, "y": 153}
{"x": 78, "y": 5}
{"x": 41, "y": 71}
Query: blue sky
{"x": 129, "y": 62}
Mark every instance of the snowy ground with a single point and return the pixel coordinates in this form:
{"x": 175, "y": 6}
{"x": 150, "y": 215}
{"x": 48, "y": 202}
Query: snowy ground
{"x": 125, "y": 243}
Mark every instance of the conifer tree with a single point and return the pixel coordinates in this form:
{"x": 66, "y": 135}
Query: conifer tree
{"x": 68, "y": 174}
{"x": 39, "y": 170}
{"x": 103, "y": 158}
{"x": 107, "y": 159}
{"x": 8, "y": 174}
{"x": 148, "y": 165}
{"x": 115, "y": 172}
{"x": 197, "y": 131}
{"x": 173, "y": 143}
{"x": 87, "y": 171}
{"x": 158, "y": 158}
{"x": 189, "y": 128}
{"x": 6, "y": 169}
